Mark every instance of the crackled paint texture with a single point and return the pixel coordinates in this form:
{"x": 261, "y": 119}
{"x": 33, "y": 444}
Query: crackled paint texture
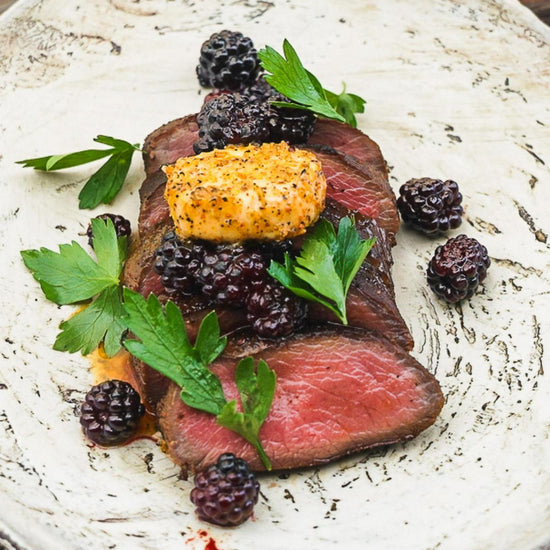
{"x": 454, "y": 90}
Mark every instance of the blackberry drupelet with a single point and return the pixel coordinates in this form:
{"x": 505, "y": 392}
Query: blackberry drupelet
{"x": 111, "y": 412}
{"x": 122, "y": 226}
{"x": 228, "y": 60}
{"x": 230, "y": 119}
{"x": 225, "y": 493}
{"x": 228, "y": 272}
{"x": 429, "y": 205}
{"x": 457, "y": 268}
{"x": 273, "y": 311}
{"x": 177, "y": 264}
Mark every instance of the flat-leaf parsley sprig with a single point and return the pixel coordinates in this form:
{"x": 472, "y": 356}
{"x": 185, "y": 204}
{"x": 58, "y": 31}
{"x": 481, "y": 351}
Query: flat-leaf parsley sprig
{"x": 104, "y": 185}
{"x": 163, "y": 344}
{"x": 326, "y": 266}
{"x": 71, "y": 276}
{"x": 289, "y": 77}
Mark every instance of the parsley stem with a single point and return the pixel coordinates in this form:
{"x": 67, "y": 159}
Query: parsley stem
{"x": 260, "y": 450}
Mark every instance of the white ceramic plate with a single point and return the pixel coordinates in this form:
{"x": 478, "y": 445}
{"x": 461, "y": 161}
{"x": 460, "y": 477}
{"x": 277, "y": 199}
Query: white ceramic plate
{"x": 455, "y": 90}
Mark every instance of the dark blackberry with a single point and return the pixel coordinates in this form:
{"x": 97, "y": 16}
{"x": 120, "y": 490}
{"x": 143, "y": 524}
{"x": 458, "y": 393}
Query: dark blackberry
{"x": 260, "y": 91}
{"x": 177, "y": 264}
{"x": 248, "y": 117}
{"x": 228, "y": 60}
{"x": 228, "y": 273}
{"x": 430, "y": 206}
{"x": 457, "y": 268}
{"x": 231, "y": 118}
{"x": 122, "y": 226}
{"x": 225, "y": 493}
{"x": 273, "y": 311}
{"x": 290, "y": 125}
{"x": 111, "y": 412}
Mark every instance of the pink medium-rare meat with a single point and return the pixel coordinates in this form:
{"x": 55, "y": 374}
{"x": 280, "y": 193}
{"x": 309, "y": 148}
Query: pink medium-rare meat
{"x": 338, "y": 391}
{"x": 356, "y": 187}
{"x": 350, "y": 141}
{"x": 370, "y": 300}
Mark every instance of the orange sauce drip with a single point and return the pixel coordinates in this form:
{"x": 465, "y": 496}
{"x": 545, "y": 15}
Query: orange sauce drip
{"x": 119, "y": 367}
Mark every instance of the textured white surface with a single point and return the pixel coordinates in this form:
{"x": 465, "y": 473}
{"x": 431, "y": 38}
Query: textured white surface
{"x": 455, "y": 89}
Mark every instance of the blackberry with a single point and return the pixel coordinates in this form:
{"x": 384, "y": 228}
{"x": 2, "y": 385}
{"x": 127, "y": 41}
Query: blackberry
{"x": 429, "y": 205}
{"x": 225, "y": 493}
{"x": 228, "y": 272}
{"x": 457, "y": 268}
{"x": 231, "y": 118}
{"x": 291, "y": 125}
{"x": 228, "y": 60}
{"x": 260, "y": 91}
{"x": 273, "y": 311}
{"x": 177, "y": 264}
{"x": 122, "y": 226}
{"x": 248, "y": 116}
{"x": 111, "y": 412}
{"x": 285, "y": 124}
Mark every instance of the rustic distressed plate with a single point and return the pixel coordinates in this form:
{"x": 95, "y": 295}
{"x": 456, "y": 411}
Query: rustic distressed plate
{"x": 455, "y": 90}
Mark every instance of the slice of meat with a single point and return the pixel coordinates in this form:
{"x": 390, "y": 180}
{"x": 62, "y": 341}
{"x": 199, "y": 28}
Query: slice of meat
{"x": 350, "y": 141}
{"x": 169, "y": 142}
{"x": 359, "y": 188}
{"x": 357, "y": 184}
{"x": 338, "y": 391}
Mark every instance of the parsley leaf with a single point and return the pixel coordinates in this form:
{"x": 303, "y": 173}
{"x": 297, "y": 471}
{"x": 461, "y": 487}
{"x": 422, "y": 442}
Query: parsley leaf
{"x": 102, "y": 320}
{"x": 256, "y": 390}
{"x": 164, "y": 345}
{"x": 72, "y": 275}
{"x": 104, "y": 184}
{"x": 347, "y": 105}
{"x": 326, "y": 266}
{"x": 289, "y": 77}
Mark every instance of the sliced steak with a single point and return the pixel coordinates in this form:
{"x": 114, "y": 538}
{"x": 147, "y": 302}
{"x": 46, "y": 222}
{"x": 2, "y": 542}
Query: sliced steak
{"x": 359, "y": 180}
{"x": 169, "y": 142}
{"x": 352, "y": 186}
{"x": 353, "y": 142}
{"x": 358, "y": 188}
{"x": 338, "y": 391}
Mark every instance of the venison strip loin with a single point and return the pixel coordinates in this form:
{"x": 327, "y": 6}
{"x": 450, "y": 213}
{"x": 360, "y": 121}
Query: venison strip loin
{"x": 339, "y": 389}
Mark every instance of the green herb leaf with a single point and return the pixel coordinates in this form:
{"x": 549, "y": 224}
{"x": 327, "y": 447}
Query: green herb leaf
{"x": 289, "y": 77}
{"x": 164, "y": 345}
{"x": 347, "y": 105}
{"x": 60, "y": 162}
{"x": 256, "y": 390}
{"x": 71, "y": 275}
{"x": 326, "y": 266}
{"x": 102, "y": 320}
{"x": 104, "y": 184}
